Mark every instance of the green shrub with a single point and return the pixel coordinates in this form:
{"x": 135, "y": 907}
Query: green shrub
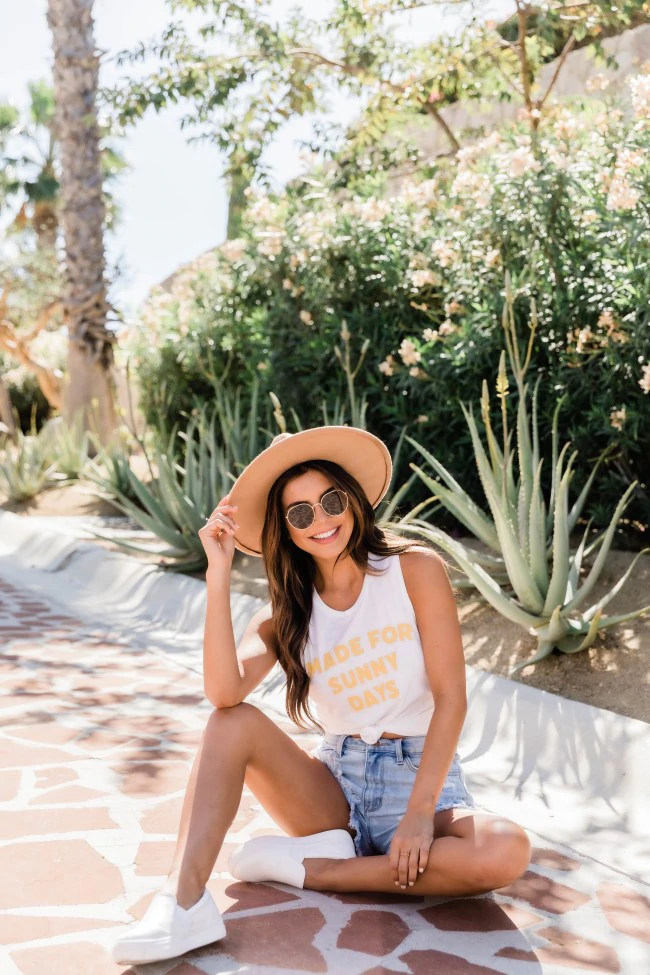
{"x": 419, "y": 277}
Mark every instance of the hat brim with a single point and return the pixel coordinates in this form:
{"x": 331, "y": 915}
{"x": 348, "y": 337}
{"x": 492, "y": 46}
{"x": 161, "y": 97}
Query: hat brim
{"x": 360, "y": 453}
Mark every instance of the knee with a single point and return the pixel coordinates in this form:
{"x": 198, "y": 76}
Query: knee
{"x": 232, "y": 722}
{"x": 505, "y": 858}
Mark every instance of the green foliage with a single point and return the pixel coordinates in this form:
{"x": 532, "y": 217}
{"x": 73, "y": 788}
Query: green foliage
{"x": 418, "y": 280}
{"x": 524, "y": 527}
{"x": 248, "y": 73}
{"x": 25, "y": 466}
{"x": 190, "y": 480}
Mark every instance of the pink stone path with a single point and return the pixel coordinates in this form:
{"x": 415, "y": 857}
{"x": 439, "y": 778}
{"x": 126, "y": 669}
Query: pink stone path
{"x": 96, "y": 742}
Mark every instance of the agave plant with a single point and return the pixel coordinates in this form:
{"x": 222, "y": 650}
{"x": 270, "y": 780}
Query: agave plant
{"x": 528, "y": 538}
{"x": 67, "y": 444}
{"x": 176, "y": 503}
{"x": 27, "y": 466}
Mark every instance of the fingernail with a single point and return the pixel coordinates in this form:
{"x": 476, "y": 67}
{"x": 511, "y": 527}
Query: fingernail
{"x": 397, "y": 883}
{"x": 403, "y": 886}
{"x": 421, "y": 869}
{"x": 411, "y": 882}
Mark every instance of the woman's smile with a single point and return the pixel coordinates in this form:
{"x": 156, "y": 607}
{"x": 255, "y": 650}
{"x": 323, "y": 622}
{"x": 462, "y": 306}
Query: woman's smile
{"x": 323, "y": 537}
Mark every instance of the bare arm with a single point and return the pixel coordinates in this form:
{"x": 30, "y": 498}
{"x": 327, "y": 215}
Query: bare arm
{"x": 230, "y": 673}
{"x": 430, "y": 592}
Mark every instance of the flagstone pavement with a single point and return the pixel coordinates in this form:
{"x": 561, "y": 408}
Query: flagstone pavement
{"x": 97, "y": 737}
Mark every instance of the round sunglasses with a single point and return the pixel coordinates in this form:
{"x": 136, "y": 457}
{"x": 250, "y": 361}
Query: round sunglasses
{"x": 301, "y": 516}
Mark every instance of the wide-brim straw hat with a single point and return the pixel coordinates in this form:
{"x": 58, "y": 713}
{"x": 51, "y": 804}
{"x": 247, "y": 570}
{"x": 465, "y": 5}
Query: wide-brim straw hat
{"x": 358, "y": 452}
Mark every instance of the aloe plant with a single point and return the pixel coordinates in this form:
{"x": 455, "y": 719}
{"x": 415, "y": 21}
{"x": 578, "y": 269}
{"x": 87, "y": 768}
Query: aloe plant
{"x": 527, "y": 536}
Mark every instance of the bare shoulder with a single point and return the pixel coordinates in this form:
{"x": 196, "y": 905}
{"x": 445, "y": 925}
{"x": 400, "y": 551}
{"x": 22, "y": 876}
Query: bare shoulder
{"x": 421, "y": 558}
{"x": 423, "y": 568}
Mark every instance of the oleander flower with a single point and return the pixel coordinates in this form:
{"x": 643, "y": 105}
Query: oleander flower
{"x": 444, "y": 252}
{"x": 408, "y": 352}
{"x": 617, "y": 418}
{"x": 644, "y": 381}
{"x": 417, "y": 373}
{"x": 386, "y": 367}
{"x": 622, "y": 195}
{"x": 270, "y": 246}
{"x": 640, "y": 89}
{"x": 447, "y": 328}
{"x": 597, "y": 82}
{"x": 585, "y": 336}
{"x": 430, "y": 334}
{"x": 520, "y": 161}
{"x": 305, "y": 317}
{"x": 233, "y": 250}
{"x": 420, "y": 279}
{"x": 423, "y": 418}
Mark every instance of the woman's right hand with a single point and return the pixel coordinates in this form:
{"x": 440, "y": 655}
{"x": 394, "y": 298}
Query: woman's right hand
{"x": 217, "y": 536}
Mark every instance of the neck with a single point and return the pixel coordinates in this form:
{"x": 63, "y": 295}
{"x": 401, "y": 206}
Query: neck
{"x": 340, "y": 577}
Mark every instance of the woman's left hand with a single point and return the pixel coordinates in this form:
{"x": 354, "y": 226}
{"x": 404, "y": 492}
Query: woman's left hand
{"x": 409, "y": 849}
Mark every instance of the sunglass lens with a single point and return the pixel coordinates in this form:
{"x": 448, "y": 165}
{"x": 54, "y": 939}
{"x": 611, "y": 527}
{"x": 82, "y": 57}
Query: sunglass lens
{"x": 334, "y": 502}
{"x": 301, "y": 516}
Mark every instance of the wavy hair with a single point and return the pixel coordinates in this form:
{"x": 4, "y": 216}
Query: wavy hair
{"x": 291, "y": 573}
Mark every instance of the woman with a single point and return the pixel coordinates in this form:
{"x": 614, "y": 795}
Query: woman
{"x": 364, "y": 625}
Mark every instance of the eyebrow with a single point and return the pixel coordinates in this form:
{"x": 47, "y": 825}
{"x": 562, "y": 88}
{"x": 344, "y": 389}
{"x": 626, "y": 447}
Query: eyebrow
{"x": 326, "y": 491}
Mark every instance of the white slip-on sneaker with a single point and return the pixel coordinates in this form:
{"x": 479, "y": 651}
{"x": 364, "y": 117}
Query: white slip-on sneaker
{"x": 280, "y": 857}
{"x": 168, "y": 930}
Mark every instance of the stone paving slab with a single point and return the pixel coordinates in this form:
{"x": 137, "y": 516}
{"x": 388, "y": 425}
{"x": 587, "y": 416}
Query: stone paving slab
{"x": 97, "y": 735}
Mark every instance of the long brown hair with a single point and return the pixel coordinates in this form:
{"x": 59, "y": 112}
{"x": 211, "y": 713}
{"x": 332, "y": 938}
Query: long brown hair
{"x": 291, "y": 572}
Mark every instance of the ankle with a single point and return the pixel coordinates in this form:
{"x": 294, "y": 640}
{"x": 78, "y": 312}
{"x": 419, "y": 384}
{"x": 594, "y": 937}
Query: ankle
{"x": 320, "y": 873}
{"x": 186, "y": 891}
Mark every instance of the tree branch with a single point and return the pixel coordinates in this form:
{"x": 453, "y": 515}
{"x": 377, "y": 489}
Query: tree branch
{"x": 356, "y": 71}
{"x": 568, "y": 47}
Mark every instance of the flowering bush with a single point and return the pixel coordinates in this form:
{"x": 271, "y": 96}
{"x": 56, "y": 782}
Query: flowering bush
{"x": 421, "y": 275}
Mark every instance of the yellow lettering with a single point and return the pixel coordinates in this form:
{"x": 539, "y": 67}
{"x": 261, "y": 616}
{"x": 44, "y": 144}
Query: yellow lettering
{"x": 313, "y": 668}
{"x": 391, "y": 687}
{"x": 405, "y": 631}
{"x": 335, "y": 685}
{"x": 392, "y": 659}
{"x": 356, "y": 702}
{"x": 355, "y": 646}
{"x": 349, "y": 679}
{"x": 380, "y": 690}
{"x": 363, "y": 673}
{"x": 342, "y": 653}
{"x": 378, "y": 667}
{"x": 369, "y": 699}
{"x": 389, "y": 634}
{"x": 373, "y": 636}
{"x": 328, "y": 660}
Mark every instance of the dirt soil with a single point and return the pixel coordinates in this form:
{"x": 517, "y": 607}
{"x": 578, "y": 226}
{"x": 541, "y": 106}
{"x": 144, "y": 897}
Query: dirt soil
{"x": 613, "y": 674}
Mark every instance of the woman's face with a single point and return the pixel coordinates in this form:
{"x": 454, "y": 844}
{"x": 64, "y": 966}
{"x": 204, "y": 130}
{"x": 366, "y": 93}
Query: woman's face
{"x": 311, "y": 487}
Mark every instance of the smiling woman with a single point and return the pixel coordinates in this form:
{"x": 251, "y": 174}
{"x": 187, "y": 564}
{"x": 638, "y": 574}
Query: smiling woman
{"x": 364, "y": 625}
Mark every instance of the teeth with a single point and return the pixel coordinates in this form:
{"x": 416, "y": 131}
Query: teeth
{"x": 326, "y": 534}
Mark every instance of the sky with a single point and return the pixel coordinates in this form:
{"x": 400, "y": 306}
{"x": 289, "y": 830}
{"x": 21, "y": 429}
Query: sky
{"x": 172, "y": 199}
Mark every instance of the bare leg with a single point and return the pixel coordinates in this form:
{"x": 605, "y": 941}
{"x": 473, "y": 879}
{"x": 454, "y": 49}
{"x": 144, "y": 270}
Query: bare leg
{"x": 242, "y": 744}
{"x": 472, "y": 853}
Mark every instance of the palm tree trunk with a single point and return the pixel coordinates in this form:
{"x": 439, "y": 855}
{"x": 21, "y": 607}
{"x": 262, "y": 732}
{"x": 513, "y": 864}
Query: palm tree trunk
{"x": 90, "y": 385}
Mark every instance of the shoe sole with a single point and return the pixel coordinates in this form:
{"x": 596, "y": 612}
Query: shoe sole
{"x": 140, "y": 956}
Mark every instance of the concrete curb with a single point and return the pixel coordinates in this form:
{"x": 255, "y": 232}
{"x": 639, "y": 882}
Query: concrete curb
{"x": 569, "y": 771}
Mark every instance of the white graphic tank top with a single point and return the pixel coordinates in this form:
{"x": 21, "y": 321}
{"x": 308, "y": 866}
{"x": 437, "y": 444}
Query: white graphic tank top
{"x": 366, "y": 664}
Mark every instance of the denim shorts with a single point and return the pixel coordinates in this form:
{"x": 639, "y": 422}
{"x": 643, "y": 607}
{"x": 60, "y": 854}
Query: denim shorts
{"x": 377, "y": 781}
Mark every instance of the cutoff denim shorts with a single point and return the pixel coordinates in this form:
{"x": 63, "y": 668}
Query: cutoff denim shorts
{"x": 377, "y": 781}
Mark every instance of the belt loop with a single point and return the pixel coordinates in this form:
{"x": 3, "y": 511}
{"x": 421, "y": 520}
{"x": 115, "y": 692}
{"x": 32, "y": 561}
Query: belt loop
{"x": 339, "y": 744}
{"x": 399, "y": 754}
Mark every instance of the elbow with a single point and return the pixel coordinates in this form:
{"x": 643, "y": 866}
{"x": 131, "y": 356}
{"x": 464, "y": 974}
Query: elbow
{"x": 221, "y": 701}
